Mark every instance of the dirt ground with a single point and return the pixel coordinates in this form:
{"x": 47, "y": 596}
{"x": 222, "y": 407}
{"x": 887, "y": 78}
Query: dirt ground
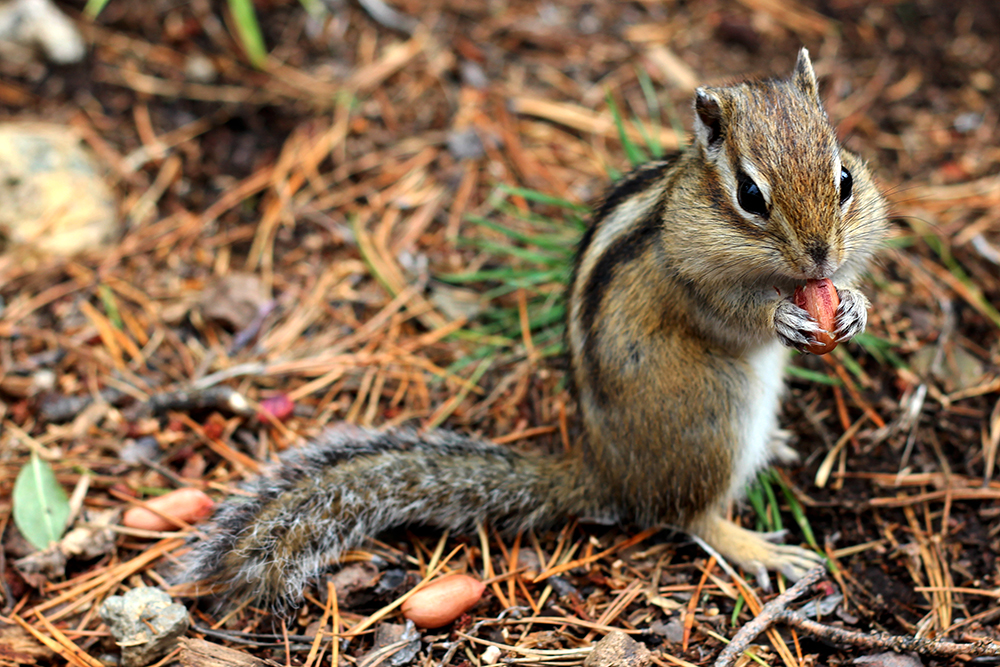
{"x": 293, "y": 233}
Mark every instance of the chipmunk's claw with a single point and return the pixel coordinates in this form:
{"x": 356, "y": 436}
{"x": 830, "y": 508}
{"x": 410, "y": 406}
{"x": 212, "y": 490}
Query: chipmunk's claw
{"x": 793, "y": 325}
{"x": 852, "y": 314}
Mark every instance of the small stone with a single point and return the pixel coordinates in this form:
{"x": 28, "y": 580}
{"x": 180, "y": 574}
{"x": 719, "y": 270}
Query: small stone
{"x": 473, "y": 75}
{"x": 401, "y": 641}
{"x": 41, "y": 567}
{"x": 234, "y": 299}
{"x": 672, "y": 630}
{"x": 145, "y": 623}
{"x": 200, "y": 69}
{"x": 465, "y": 144}
{"x": 982, "y": 81}
{"x": 491, "y": 655}
{"x": 53, "y": 197}
{"x": 26, "y": 386}
{"x": 135, "y": 451}
{"x": 968, "y": 122}
{"x": 92, "y": 537}
{"x": 354, "y": 577}
{"x": 40, "y": 23}
{"x": 617, "y": 649}
{"x": 456, "y": 302}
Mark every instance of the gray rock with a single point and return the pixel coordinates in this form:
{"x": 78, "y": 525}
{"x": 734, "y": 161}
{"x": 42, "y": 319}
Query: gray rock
{"x": 672, "y": 630}
{"x": 465, "y": 144}
{"x": 40, "y": 23}
{"x": 145, "y": 623}
{"x": 617, "y": 649}
{"x": 53, "y": 197}
{"x": 395, "y": 645}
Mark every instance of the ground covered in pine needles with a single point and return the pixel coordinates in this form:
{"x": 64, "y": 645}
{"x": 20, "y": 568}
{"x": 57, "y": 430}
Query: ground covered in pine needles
{"x": 376, "y": 226}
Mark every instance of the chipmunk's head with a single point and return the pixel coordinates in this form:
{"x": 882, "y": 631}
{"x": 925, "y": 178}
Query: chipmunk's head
{"x": 784, "y": 187}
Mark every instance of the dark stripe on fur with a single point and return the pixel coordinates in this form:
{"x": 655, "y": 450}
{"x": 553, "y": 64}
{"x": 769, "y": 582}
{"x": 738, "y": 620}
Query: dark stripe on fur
{"x": 631, "y": 184}
{"x": 623, "y": 251}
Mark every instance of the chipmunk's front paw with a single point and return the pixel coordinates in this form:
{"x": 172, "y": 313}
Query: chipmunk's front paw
{"x": 793, "y": 325}
{"x": 852, "y": 314}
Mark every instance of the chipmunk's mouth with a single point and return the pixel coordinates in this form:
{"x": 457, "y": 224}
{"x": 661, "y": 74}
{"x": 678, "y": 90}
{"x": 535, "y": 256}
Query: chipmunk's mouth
{"x": 800, "y": 275}
{"x": 787, "y": 286}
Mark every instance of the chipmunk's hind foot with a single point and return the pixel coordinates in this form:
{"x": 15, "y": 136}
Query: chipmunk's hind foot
{"x": 756, "y": 552}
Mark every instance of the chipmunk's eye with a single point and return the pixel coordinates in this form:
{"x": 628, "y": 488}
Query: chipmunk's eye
{"x": 750, "y": 197}
{"x": 846, "y": 185}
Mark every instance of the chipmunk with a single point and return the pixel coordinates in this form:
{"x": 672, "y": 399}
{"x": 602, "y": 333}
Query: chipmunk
{"x": 679, "y": 322}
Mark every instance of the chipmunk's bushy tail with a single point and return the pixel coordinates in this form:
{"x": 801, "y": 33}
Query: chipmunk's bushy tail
{"x": 353, "y": 483}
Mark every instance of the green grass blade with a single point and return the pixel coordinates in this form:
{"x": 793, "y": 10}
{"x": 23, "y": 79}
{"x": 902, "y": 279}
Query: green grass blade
{"x": 882, "y": 349}
{"x": 737, "y": 608}
{"x": 755, "y": 494}
{"x": 812, "y": 376}
{"x": 676, "y": 123}
{"x": 484, "y": 338}
{"x": 110, "y": 305}
{"x": 507, "y": 288}
{"x": 850, "y": 363}
{"x": 798, "y": 513}
{"x": 554, "y": 228}
{"x": 646, "y": 136}
{"x": 633, "y": 152}
{"x": 93, "y": 8}
{"x": 900, "y": 242}
{"x": 774, "y": 515}
{"x": 553, "y": 350}
{"x": 653, "y": 105}
{"x": 530, "y": 276}
{"x": 248, "y": 30}
{"x": 555, "y": 243}
{"x": 542, "y": 198}
{"x": 477, "y": 374}
{"x": 548, "y": 259}
{"x": 315, "y": 8}
{"x": 975, "y": 294}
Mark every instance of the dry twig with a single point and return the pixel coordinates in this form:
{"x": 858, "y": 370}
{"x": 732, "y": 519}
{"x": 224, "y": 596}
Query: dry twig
{"x": 776, "y": 611}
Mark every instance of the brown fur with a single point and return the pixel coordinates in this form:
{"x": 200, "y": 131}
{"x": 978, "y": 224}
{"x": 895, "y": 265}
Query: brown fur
{"x": 664, "y": 337}
{"x": 679, "y": 299}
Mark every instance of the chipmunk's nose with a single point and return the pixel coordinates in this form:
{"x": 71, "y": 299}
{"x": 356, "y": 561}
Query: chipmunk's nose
{"x": 817, "y": 250}
{"x": 817, "y": 259}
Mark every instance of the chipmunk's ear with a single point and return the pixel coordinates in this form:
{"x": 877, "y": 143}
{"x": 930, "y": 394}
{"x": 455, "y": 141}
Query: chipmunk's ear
{"x": 708, "y": 124}
{"x": 804, "y": 77}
